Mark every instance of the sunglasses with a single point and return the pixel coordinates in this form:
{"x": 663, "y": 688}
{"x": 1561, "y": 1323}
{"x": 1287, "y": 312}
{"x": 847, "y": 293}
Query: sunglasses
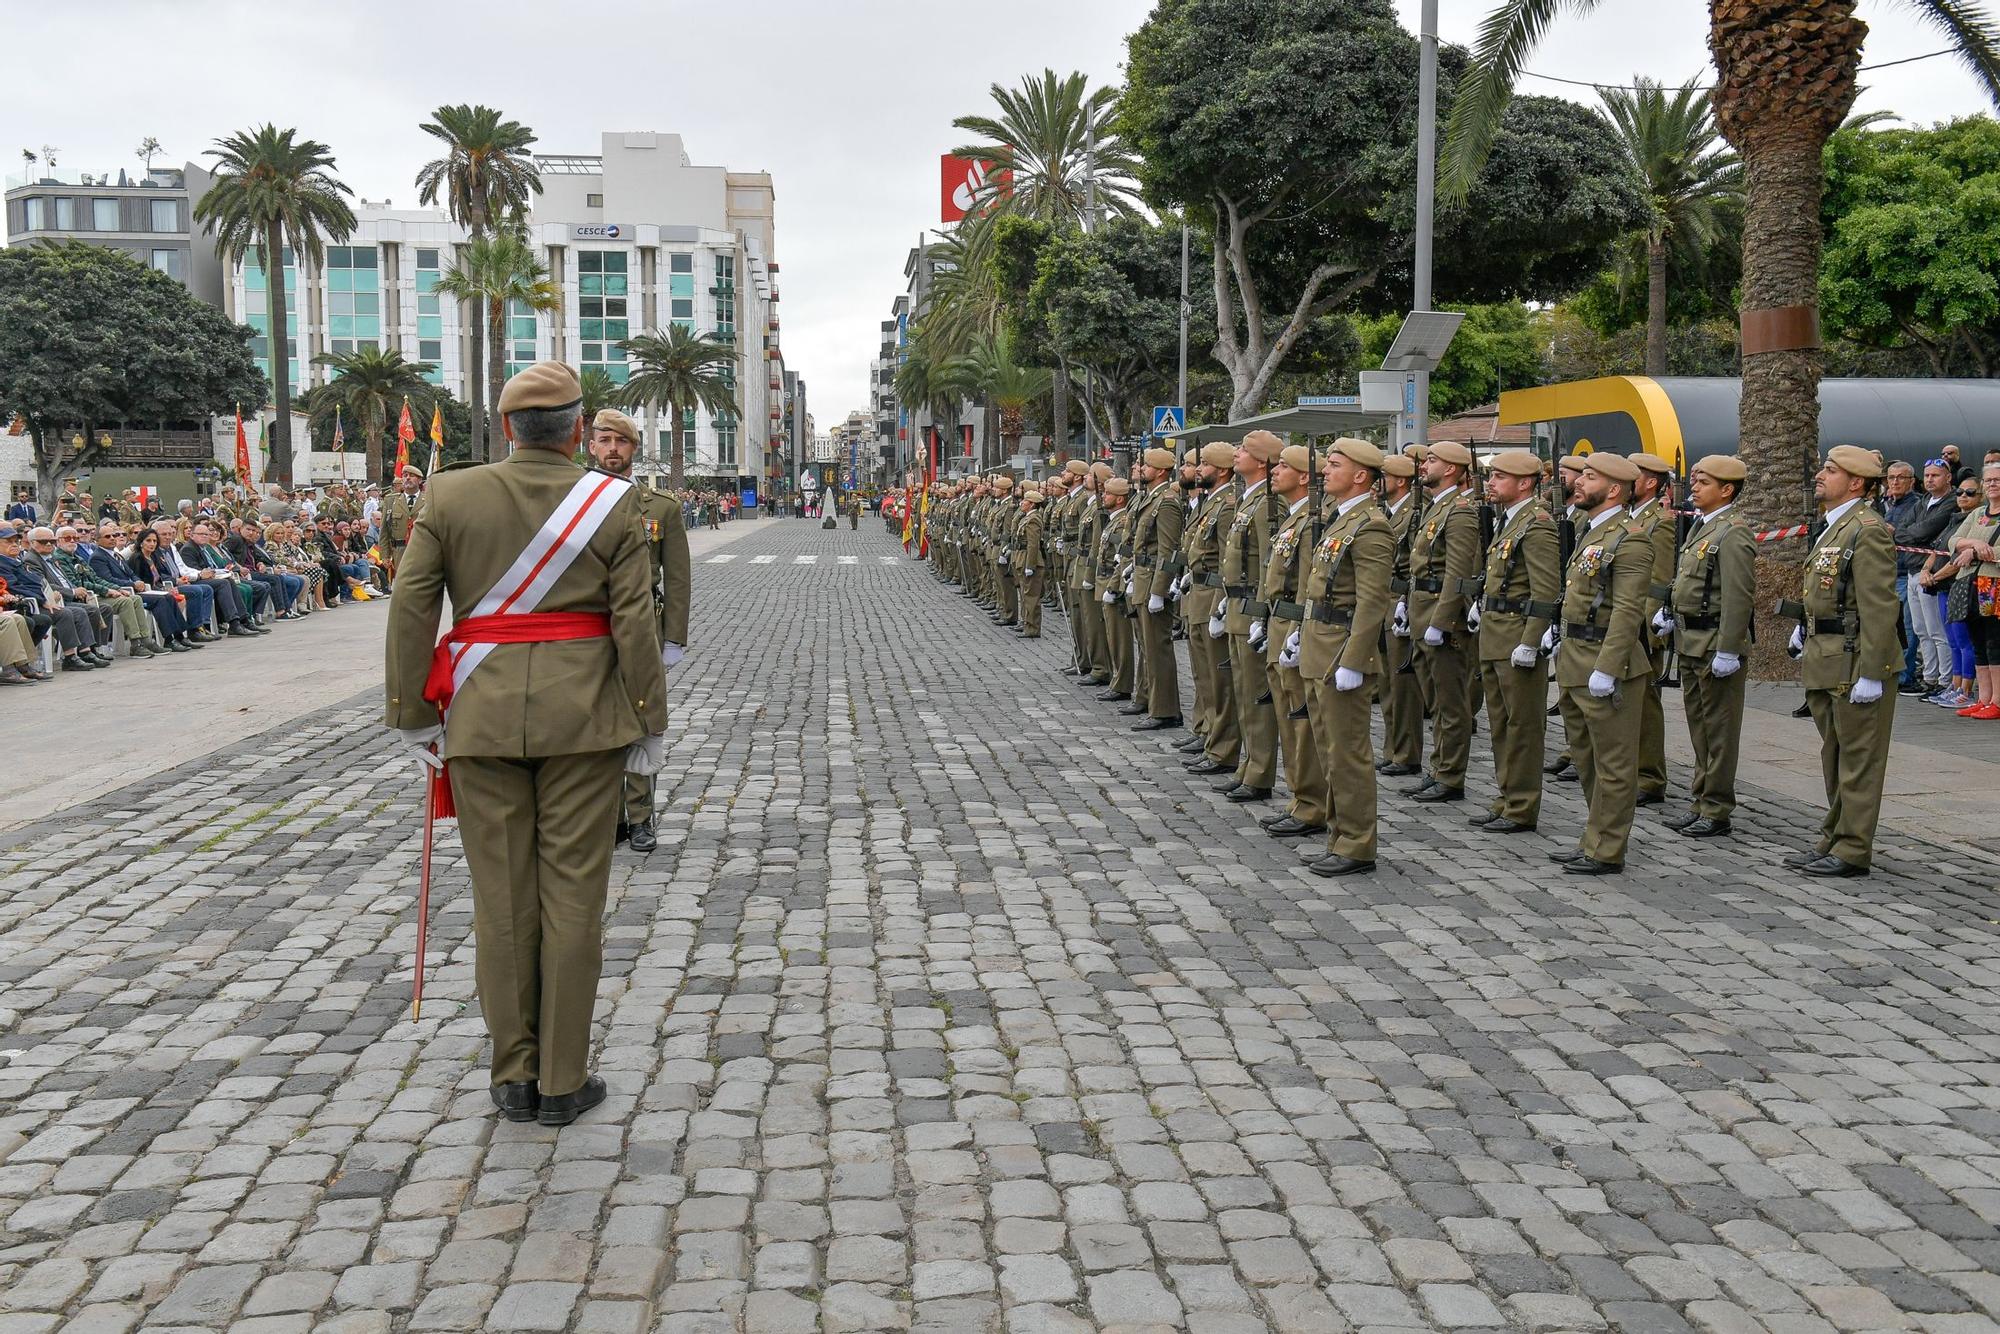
{"x": 1968, "y": 492}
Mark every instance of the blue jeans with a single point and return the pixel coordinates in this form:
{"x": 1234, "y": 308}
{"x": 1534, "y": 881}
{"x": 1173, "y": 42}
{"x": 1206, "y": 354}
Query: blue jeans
{"x": 1912, "y": 672}
{"x": 200, "y": 604}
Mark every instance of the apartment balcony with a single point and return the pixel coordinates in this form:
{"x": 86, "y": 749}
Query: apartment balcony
{"x": 723, "y": 287}
{"x": 774, "y": 323}
{"x": 725, "y": 333}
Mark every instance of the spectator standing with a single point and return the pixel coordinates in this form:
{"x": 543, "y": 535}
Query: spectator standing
{"x": 1901, "y": 503}
{"x": 1975, "y": 548}
{"x": 1929, "y": 520}
{"x": 24, "y": 509}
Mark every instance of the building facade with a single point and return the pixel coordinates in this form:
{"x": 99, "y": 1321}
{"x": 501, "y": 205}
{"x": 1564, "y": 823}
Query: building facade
{"x": 150, "y": 217}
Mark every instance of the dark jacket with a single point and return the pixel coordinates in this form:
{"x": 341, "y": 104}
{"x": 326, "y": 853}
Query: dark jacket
{"x": 1920, "y": 526}
{"x": 250, "y": 555}
{"x": 108, "y": 565}
{"x": 21, "y": 581}
{"x": 151, "y": 570}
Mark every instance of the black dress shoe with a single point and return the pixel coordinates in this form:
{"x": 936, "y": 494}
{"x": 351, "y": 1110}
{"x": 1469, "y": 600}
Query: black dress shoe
{"x": 517, "y": 1102}
{"x": 1158, "y": 724}
{"x": 643, "y": 838}
{"x": 1243, "y": 792}
{"x": 1832, "y": 867}
{"x": 1651, "y": 798}
{"x": 1705, "y": 828}
{"x": 1108, "y": 695}
{"x": 1334, "y": 864}
{"x": 1556, "y": 765}
{"x": 1292, "y": 827}
{"x": 1565, "y": 856}
{"x": 1438, "y": 792}
{"x": 1500, "y": 824}
{"x": 1204, "y": 766}
{"x": 1479, "y": 819}
{"x": 564, "y": 1108}
{"x": 240, "y": 631}
{"x": 1192, "y": 744}
{"x": 1803, "y": 711}
{"x": 1095, "y": 681}
{"x": 1569, "y": 774}
{"x": 1133, "y": 709}
{"x": 1388, "y": 770}
{"x": 1424, "y": 786}
{"x": 1803, "y": 859}
{"x": 176, "y": 646}
{"x": 1684, "y": 819}
{"x": 1587, "y": 866}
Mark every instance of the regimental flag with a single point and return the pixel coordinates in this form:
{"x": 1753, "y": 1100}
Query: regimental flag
{"x": 339, "y": 432}
{"x": 406, "y": 433}
{"x": 242, "y": 450}
{"x": 437, "y": 438}
{"x": 924, "y": 503}
{"x": 909, "y": 520}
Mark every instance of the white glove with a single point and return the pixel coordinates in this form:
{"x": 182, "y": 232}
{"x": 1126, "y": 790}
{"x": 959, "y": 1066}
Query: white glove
{"x": 646, "y": 756}
{"x": 1288, "y": 658}
{"x": 1433, "y": 636}
{"x": 1292, "y": 644}
{"x": 1399, "y": 622}
{"x": 1524, "y": 655}
{"x": 1724, "y": 664}
{"x": 1865, "y": 690}
{"x": 1602, "y": 684}
{"x": 671, "y": 654}
{"x": 1129, "y": 590}
{"x": 1346, "y": 678}
{"x": 1187, "y": 584}
{"x": 1663, "y": 623}
{"x": 1156, "y": 604}
{"x": 1110, "y": 597}
{"x": 422, "y": 742}
{"x": 1549, "y": 640}
{"x": 1215, "y": 628}
{"x": 1472, "y": 617}
{"x": 1257, "y": 635}
{"x": 1027, "y": 574}
{"x": 1796, "y": 645}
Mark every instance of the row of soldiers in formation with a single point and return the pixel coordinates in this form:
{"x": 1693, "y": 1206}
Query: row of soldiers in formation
{"x": 1316, "y": 585}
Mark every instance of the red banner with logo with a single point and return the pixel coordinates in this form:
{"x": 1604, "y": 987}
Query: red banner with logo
{"x": 964, "y": 181}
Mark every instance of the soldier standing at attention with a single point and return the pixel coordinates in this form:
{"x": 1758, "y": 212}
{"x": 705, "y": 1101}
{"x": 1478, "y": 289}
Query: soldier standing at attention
{"x": 399, "y": 512}
{"x": 1281, "y": 594}
{"x": 1028, "y": 551}
{"x": 1340, "y": 653}
{"x": 1714, "y": 588}
{"x": 1086, "y": 613}
{"x": 1109, "y": 579}
{"x": 1245, "y": 548}
{"x": 614, "y": 439}
{"x": 1444, "y": 558}
{"x": 1847, "y": 637}
{"x": 1650, "y": 497}
{"x": 1402, "y": 695}
{"x": 1603, "y": 663}
{"x": 546, "y": 690}
{"x": 1156, "y": 541}
{"x": 1000, "y": 549}
{"x": 1202, "y": 605}
{"x": 1523, "y": 596}
{"x": 1569, "y": 469}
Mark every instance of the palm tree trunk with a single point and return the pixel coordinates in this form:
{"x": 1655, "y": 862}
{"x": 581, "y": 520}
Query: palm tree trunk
{"x": 1656, "y": 303}
{"x": 496, "y": 367}
{"x": 281, "y": 358}
{"x": 373, "y": 437}
{"x": 991, "y": 424}
{"x": 475, "y": 385}
{"x": 1059, "y": 412}
{"x": 676, "y": 464}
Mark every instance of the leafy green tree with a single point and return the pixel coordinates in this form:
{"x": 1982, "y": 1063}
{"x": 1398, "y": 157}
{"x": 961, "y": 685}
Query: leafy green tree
{"x": 486, "y": 177}
{"x": 492, "y": 272}
{"x": 1498, "y": 347}
{"x": 91, "y": 339}
{"x": 272, "y": 191}
{"x": 680, "y": 371}
{"x": 367, "y": 388}
{"x": 1912, "y": 221}
{"x": 990, "y": 372}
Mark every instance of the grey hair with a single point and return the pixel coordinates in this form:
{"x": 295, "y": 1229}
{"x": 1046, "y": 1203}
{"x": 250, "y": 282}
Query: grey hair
{"x": 545, "y": 428}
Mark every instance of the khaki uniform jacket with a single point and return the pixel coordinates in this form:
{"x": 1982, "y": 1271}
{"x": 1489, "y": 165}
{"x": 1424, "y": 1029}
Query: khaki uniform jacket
{"x": 1283, "y": 573}
{"x": 1350, "y": 575}
{"x": 1202, "y": 543}
{"x": 1660, "y": 536}
{"x": 667, "y": 548}
{"x": 1245, "y": 547}
{"x": 399, "y": 512}
{"x": 1851, "y": 577}
{"x": 1089, "y": 536}
{"x": 1717, "y": 577}
{"x": 1109, "y": 575}
{"x": 1605, "y": 590}
{"x": 1444, "y": 551}
{"x": 1524, "y": 583}
{"x": 1156, "y": 540}
{"x": 527, "y": 700}
{"x": 1028, "y": 536}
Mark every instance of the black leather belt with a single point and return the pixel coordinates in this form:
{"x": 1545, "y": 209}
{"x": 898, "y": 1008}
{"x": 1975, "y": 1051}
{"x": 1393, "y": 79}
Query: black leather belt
{"x": 1210, "y": 581}
{"x": 1827, "y": 625}
{"x": 1326, "y": 615}
{"x": 1698, "y": 622}
{"x": 1255, "y": 609}
{"x": 1521, "y": 607}
{"x": 1589, "y": 634}
{"x": 1239, "y": 590}
{"x": 1428, "y": 585}
{"x": 1288, "y": 611}
{"x": 1398, "y": 584}
{"x": 1659, "y": 592}
{"x": 1143, "y": 562}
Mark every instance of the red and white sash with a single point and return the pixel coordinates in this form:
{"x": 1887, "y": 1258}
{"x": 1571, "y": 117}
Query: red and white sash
{"x": 542, "y": 562}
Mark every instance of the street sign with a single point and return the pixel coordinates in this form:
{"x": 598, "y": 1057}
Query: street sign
{"x": 1167, "y": 419}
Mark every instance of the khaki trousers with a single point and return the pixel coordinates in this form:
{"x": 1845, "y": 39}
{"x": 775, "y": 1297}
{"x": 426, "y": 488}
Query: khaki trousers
{"x": 1402, "y": 706}
{"x": 1215, "y": 677}
{"x": 1853, "y": 757}
{"x": 1304, "y": 773}
{"x": 538, "y": 836}
{"x": 1653, "y": 733}
{"x": 1714, "y": 707}
{"x": 1031, "y": 605}
{"x": 1517, "y": 717}
{"x": 1256, "y": 723}
{"x": 1118, "y": 645}
{"x": 1446, "y": 679}
{"x": 1347, "y": 756}
{"x": 1604, "y": 742}
{"x": 1163, "y": 679}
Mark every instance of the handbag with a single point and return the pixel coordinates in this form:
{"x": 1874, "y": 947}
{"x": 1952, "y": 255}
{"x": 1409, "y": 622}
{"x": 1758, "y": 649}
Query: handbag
{"x": 1958, "y": 601}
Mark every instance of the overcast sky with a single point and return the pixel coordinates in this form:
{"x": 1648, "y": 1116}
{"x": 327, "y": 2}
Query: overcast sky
{"x": 848, "y": 103}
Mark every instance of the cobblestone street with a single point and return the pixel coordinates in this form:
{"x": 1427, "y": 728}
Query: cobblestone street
{"x": 948, "y": 1003}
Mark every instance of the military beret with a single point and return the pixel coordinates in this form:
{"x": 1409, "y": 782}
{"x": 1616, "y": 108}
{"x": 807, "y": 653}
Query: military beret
{"x": 1076, "y": 467}
{"x": 1398, "y": 465}
{"x": 611, "y": 419}
{"x": 1652, "y": 463}
{"x": 1721, "y": 467}
{"x": 1192, "y": 457}
{"x": 546, "y": 384}
{"x": 1515, "y": 463}
{"x": 1575, "y": 460}
{"x": 1003, "y": 482}
{"x": 1296, "y": 457}
{"x": 1617, "y": 467}
{"x": 1450, "y": 451}
{"x": 1159, "y": 458}
{"x": 1263, "y": 446}
{"x": 1032, "y": 495}
{"x": 413, "y": 468}
{"x": 1116, "y": 486}
{"x": 1417, "y": 451}
{"x": 1100, "y": 470}
{"x": 1218, "y": 455}
{"x": 1361, "y": 451}
{"x": 1855, "y": 461}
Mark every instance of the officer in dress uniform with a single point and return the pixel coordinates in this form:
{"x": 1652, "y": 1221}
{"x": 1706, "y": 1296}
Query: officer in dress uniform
{"x": 1340, "y": 651}
{"x": 1029, "y": 560}
{"x": 400, "y": 511}
{"x": 553, "y": 700}
{"x": 1569, "y": 470}
{"x": 1156, "y": 541}
{"x": 1603, "y": 664}
{"x": 1401, "y": 693}
{"x": 1715, "y": 585}
{"x": 1281, "y": 593}
{"x": 1094, "y": 652}
{"x": 1201, "y": 604}
{"x": 1108, "y": 577}
{"x": 614, "y": 439}
{"x": 1245, "y": 549}
{"x": 1649, "y": 506}
{"x": 1523, "y": 595}
{"x": 1849, "y": 644}
{"x": 1444, "y": 560}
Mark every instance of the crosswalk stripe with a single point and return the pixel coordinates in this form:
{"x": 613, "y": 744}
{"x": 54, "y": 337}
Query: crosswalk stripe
{"x": 850, "y": 560}
{"x": 764, "y": 559}
{"x": 805, "y": 560}
{"x": 723, "y": 559}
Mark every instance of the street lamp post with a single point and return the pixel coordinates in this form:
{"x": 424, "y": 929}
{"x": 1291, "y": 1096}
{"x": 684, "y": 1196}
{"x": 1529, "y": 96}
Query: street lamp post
{"x": 1427, "y": 84}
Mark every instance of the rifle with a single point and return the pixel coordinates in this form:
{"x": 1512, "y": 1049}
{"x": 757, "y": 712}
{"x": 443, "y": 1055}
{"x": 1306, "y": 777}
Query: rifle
{"x": 1300, "y": 567}
{"x": 1405, "y": 547}
{"x": 1670, "y": 677}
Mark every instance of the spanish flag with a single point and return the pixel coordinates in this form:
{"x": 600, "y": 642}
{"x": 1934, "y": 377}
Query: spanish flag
{"x": 437, "y": 438}
{"x": 406, "y": 432}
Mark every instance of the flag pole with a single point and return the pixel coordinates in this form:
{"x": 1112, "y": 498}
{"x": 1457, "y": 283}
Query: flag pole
{"x": 424, "y": 891}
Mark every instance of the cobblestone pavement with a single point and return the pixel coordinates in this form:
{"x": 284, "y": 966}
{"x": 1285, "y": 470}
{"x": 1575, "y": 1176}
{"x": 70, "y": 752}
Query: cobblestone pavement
{"x": 949, "y": 1004}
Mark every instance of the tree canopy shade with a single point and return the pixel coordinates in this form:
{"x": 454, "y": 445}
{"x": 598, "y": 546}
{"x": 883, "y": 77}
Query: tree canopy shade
{"x": 1912, "y": 257}
{"x": 1288, "y": 130}
{"x": 91, "y": 339}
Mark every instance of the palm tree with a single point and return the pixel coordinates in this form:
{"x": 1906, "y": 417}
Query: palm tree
{"x": 1785, "y": 78}
{"x": 486, "y": 174}
{"x": 599, "y": 391}
{"x": 272, "y": 190}
{"x": 149, "y": 148}
{"x": 494, "y": 271}
{"x": 367, "y": 387}
{"x": 923, "y": 381}
{"x": 989, "y": 371}
{"x": 680, "y": 371}
{"x": 1688, "y": 174}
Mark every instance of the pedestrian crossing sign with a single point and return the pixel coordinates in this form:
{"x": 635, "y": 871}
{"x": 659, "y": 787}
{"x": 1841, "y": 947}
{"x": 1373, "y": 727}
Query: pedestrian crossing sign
{"x": 1168, "y": 419}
